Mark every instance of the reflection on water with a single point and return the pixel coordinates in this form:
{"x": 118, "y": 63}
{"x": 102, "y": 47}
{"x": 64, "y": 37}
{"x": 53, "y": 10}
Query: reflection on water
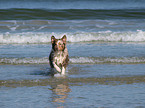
{"x": 60, "y": 92}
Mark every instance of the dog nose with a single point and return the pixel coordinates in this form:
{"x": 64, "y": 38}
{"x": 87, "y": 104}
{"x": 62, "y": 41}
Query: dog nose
{"x": 59, "y": 43}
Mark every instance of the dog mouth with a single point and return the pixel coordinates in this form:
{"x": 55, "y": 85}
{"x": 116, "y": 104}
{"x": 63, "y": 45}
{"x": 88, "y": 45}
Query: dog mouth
{"x": 60, "y": 48}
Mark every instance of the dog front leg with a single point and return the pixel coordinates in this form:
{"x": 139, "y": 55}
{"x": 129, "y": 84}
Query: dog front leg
{"x": 56, "y": 67}
{"x": 63, "y": 71}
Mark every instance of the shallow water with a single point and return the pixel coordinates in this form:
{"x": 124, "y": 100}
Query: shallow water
{"x": 84, "y": 86}
{"x": 63, "y": 95}
{"x": 100, "y": 85}
{"x": 29, "y": 72}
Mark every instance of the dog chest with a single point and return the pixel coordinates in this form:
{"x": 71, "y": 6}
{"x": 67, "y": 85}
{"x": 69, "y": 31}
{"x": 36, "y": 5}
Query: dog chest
{"x": 59, "y": 58}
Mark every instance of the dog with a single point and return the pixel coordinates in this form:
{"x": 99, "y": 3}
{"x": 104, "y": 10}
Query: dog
{"x": 59, "y": 57}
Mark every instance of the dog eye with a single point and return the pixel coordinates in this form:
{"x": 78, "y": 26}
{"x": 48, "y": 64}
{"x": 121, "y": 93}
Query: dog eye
{"x": 55, "y": 44}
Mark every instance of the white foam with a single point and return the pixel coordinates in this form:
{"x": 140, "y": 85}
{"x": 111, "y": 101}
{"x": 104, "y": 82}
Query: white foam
{"x": 22, "y": 38}
{"x": 81, "y": 60}
{"x": 13, "y": 28}
{"x": 44, "y": 37}
{"x": 99, "y": 60}
{"x": 24, "y": 60}
{"x": 74, "y": 60}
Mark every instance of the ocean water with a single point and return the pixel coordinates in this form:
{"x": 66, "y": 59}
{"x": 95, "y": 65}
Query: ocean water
{"x": 105, "y": 41}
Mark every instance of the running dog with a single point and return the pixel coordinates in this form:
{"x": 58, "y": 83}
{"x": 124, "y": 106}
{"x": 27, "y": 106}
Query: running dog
{"x": 58, "y": 57}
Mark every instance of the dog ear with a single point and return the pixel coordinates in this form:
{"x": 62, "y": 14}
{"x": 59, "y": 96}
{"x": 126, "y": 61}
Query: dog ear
{"x": 64, "y": 38}
{"x": 52, "y": 39}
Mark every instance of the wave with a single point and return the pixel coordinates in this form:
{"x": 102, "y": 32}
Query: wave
{"x": 21, "y": 26}
{"x": 76, "y": 60}
{"x": 70, "y": 14}
{"x": 42, "y": 38}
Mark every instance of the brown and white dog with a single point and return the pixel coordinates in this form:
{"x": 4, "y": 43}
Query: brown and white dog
{"x": 58, "y": 57}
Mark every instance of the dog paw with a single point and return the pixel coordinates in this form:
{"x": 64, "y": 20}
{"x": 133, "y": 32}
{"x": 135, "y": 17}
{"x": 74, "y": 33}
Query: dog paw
{"x": 58, "y": 75}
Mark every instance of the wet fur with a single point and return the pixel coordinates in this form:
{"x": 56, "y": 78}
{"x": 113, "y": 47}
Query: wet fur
{"x": 58, "y": 57}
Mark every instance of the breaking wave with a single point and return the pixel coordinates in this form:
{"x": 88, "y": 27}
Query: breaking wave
{"x": 44, "y": 37}
{"x": 76, "y": 60}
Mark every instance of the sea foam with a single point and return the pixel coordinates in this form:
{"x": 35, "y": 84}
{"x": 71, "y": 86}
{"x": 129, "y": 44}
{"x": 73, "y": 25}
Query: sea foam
{"x": 44, "y": 37}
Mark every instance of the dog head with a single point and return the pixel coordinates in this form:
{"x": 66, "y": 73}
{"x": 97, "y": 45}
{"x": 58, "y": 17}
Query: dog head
{"x": 58, "y": 44}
